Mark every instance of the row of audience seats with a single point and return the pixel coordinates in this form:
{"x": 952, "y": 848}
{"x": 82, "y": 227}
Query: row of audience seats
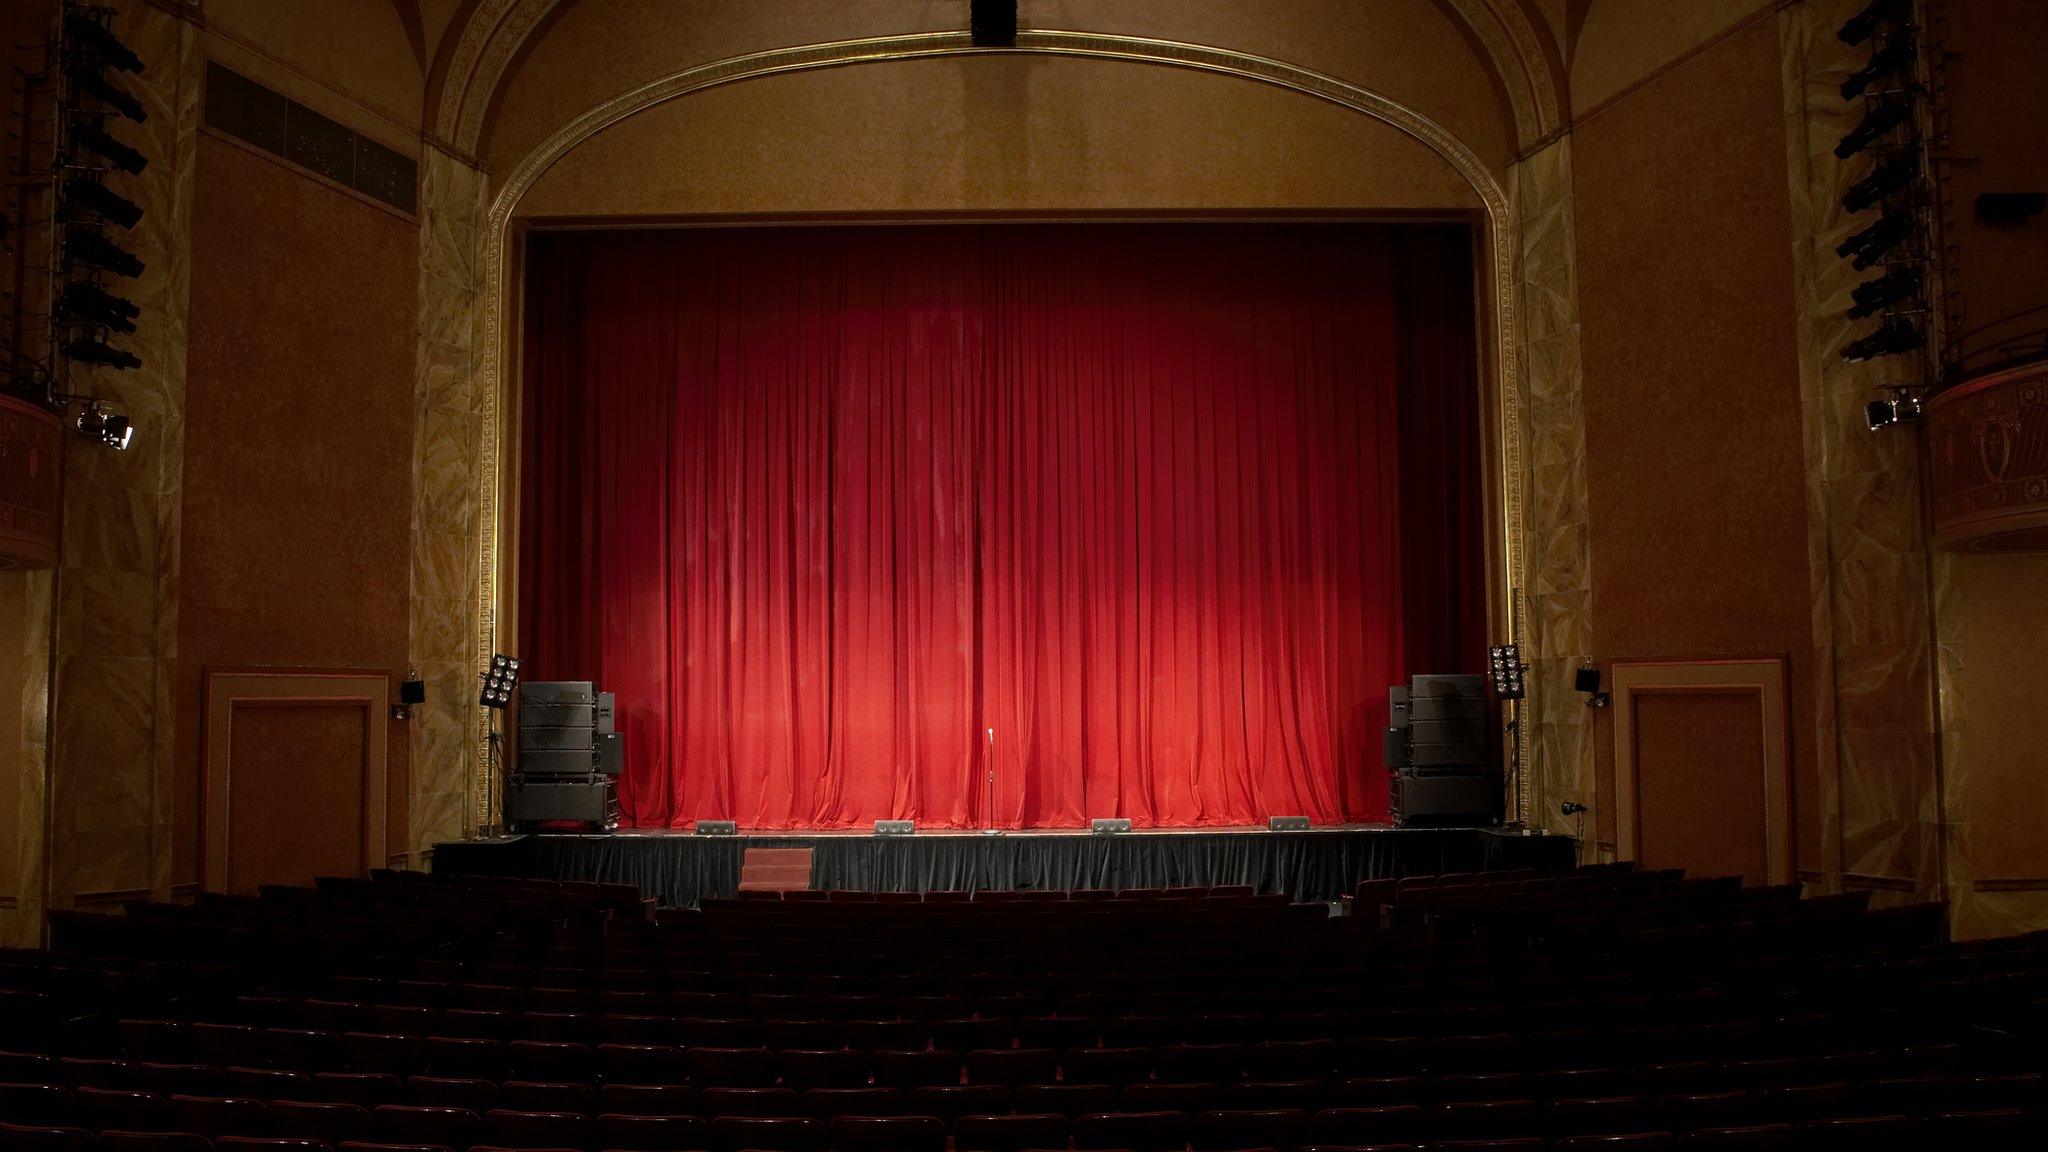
{"x": 1606, "y": 1008}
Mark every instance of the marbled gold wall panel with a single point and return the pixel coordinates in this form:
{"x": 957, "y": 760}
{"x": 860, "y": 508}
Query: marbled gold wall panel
{"x": 116, "y": 594}
{"x": 449, "y": 413}
{"x": 1874, "y": 663}
{"x": 1558, "y": 565}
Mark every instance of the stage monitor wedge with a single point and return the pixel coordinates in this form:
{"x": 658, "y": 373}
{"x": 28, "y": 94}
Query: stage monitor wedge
{"x": 895, "y": 827}
{"x": 1109, "y": 826}
{"x": 1287, "y": 824}
{"x": 717, "y": 828}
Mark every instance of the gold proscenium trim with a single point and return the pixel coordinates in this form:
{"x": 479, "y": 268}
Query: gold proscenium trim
{"x": 1500, "y": 245}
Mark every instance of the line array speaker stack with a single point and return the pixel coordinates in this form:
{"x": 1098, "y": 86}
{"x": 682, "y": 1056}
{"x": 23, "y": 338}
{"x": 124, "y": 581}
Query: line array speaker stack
{"x": 1437, "y": 751}
{"x": 569, "y": 756}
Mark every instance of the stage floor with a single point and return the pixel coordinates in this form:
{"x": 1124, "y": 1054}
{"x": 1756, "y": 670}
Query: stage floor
{"x": 679, "y": 868}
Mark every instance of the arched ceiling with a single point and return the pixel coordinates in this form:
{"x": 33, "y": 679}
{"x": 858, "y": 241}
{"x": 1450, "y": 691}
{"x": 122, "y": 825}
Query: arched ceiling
{"x": 1489, "y": 69}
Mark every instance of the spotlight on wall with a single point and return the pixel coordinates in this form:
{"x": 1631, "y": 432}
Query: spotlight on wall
{"x": 82, "y": 194}
{"x": 90, "y": 35}
{"x": 1899, "y": 282}
{"x": 92, "y": 350}
{"x": 1869, "y": 245}
{"x": 100, "y": 426}
{"x": 1895, "y": 337}
{"x": 1901, "y": 407}
{"x": 993, "y": 23}
{"x": 499, "y": 681}
{"x": 107, "y": 92}
{"x": 1505, "y": 664}
{"x": 111, "y": 150}
{"x": 90, "y": 248}
{"x": 1888, "y": 177}
{"x": 88, "y": 303}
{"x": 1864, "y": 24}
{"x": 1895, "y": 57}
{"x": 1882, "y": 118}
{"x": 1571, "y": 808}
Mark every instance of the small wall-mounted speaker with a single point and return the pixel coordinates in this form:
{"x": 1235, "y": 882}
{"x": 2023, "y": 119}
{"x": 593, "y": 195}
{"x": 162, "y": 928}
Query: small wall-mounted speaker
{"x": 1109, "y": 826}
{"x": 718, "y": 828}
{"x": 895, "y": 827}
{"x": 1586, "y": 680}
{"x": 1286, "y": 823}
{"x": 412, "y": 692}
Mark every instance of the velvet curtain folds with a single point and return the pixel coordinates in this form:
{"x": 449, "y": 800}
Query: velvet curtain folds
{"x": 1164, "y": 508}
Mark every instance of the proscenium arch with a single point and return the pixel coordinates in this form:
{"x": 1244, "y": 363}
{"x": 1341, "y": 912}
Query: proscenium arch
{"x": 1499, "y": 259}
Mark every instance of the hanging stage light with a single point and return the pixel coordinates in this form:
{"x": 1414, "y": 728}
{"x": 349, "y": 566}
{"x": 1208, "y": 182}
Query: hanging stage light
{"x": 1903, "y": 406}
{"x": 1888, "y": 177}
{"x": 88, "y": 303}
{"x": 90, "y": 350}
{"x": 1864, "y": 24}
{"x": 1882, "y": 118}
{"x": 100, "y": 426}
{"x": 85, "y": 194}
{"x": 90, "y": 248}
{"x": 90, "y": 36}
{"x": 1899, "y": 282}
{"x": 113, "y": 151}
{"x": 1895, "y": 337}
{"x": 1895, "y": 57}
{"x": 106, "y": 92}
{"x": 1868, "y": 246}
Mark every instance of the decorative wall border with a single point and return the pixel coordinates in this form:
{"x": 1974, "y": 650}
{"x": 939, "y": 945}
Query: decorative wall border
{"x": 1763, "y": 677}
{"x": 230, "y": 689}
{"x": 493, "y": 354}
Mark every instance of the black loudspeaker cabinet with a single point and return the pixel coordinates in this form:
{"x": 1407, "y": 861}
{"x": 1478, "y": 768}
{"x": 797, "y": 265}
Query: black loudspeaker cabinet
{"x": 558, "y": 692}
{"x": 557, "y": 762}
{"x": 537, "y": 715}
{"x": 1446, "y": 800}
{"x": 611, "y": 753}
{"x": 533, "y": 739}
{"x": 588, "y": 799}
{"x": 1394, "y": 746}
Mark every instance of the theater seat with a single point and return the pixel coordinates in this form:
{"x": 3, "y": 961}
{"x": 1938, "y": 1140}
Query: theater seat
{"x": 771, "y": 1134}
{"x": 653, "y": 1133}
{"x": 1010, "y": 1133}
{"x": 1138, "y": 1131}
{"x": 36, "y": 1138}
{"x": 117, "y": 1141}
{"x": 889, "y": 1134}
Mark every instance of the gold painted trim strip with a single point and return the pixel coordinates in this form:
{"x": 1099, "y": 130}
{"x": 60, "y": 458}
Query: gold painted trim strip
{"x": 493, "y": 354}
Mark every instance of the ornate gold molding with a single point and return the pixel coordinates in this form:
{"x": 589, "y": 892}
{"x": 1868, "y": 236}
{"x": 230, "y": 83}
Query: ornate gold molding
{"x": 1500, "y": 249}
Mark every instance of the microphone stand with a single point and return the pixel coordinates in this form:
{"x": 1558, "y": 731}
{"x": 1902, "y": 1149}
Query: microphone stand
{"x": 990, "y": 811}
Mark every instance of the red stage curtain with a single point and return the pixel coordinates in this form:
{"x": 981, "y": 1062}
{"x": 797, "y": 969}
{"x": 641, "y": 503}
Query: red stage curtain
{"x": 1167, "y": 507}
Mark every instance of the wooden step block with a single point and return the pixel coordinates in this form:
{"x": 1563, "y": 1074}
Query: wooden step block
{"x": 775, "y": 870}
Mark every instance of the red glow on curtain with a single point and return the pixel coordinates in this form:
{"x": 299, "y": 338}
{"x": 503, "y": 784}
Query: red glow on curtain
{"x": 1167, "y": 507}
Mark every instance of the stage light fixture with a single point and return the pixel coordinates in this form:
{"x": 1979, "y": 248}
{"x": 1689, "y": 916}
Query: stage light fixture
{"x": 100, "y": 426}
{"x": 107, "y": 92}
{"x": 1895, "y": 337}
{"x": 111, "y": 150}
{"x": 1895, "y": 57}
{"x": 1899, "y": 282}
{"x": 1882, "y": 118}
{"x": 1865, "y": 24}
{"x": 895, "y": 827}
{"x": 499, "y": 681}
{"x": 84, "y": 194}
{"x": 96, "y": 38}
{"x": 412, "y": 692}
{"x": 1902, "y": 407}
{"x": 1869, "y": 245}
{"x": 1505, "y": 662}
{"x": 91, "y": 350}
{"x": 88, "y": 303}
{"x": 94, "y": 250}
{"x": 1888, "y": 177}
